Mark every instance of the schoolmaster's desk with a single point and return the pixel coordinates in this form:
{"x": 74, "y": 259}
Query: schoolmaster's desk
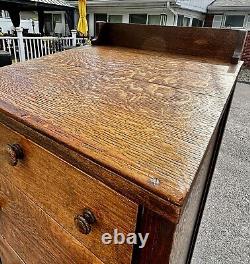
{"x": 123, "y": 134}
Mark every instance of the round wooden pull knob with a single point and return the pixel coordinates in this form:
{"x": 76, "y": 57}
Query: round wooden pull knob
{"x": 83, "y": 222}
{"x": 15, "y": 153}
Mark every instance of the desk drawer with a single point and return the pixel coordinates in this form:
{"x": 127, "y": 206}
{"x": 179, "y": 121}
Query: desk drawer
{"x": 64, "y": 192}
{"x": 34, "y": 235}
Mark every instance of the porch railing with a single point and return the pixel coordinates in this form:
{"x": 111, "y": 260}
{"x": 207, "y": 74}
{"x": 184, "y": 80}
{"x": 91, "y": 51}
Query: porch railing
{"x": 24, "y": 48}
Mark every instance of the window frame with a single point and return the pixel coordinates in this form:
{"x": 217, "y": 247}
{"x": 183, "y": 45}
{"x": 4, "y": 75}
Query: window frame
{"x": 154, "y": 15}
{"x": 6, "y": 14}
{"x": 199, "y": 20}
{"x": 96, "y": 19}
{"x": 189, "y": 21}
{"x": 189, "y": 18}
{"x": 240, "y": 15}
{"x": 138, "y": 14}
{"x": 218, "y": 21}
{"x": 120, "y": 15}
{"x": 247, "y": 22}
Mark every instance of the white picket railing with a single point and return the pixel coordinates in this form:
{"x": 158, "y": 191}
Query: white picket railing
{"x": 80, "y": 41}
{"x": 25, "y": 48}
{"x": 10, "y": 44}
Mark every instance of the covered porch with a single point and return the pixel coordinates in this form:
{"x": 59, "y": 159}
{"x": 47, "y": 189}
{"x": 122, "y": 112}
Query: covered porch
{"x": 47, "y": 23}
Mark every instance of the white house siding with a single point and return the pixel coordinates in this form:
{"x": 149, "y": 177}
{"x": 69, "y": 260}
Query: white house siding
{"x": 217, "y": 23}
{"x": 188, "y": 8}
{"x": 6, "y": 25}
{"x": 219, "y": 17}
{"x": 190, "y": 14}
{"x": 125, "y": 12}
{"x": 220, "y": 9}
{"x": 224, "y": 14}
{"x": 26, "y": 22}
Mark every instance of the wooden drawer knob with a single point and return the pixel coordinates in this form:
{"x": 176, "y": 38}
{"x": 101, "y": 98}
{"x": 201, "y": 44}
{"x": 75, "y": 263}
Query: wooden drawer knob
{"x": 15, "y": 153}
{"x": 83, "y": 222}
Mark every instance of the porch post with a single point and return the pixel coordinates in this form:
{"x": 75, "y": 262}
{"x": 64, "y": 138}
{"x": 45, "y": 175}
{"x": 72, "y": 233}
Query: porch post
{"x": 69, "y": 14}
{"x": 41, "y": 21}
{"x": 15, "y": 17}
{"x": 73, "y": 33}
{"x": 19, "y": 32}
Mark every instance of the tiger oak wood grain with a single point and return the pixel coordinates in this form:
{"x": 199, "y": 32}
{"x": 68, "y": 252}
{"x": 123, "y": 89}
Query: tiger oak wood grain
{"x": 174, "y": 243}
{"x": 7, "y": 254}
{"x": 184, "y": 230}
{"x": 63, "y": 192}
{"x": 171, "y": 71}
{"x": 119, "y": 120}
{"x": 34, "y": 235}
{"x": 127, "y": 188}
{"x": 223, "y": 44}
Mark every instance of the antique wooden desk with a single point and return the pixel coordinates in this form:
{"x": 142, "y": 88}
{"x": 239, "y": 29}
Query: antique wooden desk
{"x": 120, "y": 135}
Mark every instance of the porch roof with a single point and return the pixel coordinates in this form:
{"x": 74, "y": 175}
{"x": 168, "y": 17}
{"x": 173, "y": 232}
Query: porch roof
{"x": 35, "y": 4}
{"x": 228, "y": 5}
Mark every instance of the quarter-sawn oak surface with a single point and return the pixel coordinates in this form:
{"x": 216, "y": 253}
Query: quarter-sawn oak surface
{"x": 147, "y": 115}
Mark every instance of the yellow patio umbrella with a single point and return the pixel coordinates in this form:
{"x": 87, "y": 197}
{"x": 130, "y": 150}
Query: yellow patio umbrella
{"x": 82, "y": 26}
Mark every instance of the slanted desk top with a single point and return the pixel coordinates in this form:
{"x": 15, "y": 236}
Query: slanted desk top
{"x": 146, "y": 115}
{"x": 142, "y": 110}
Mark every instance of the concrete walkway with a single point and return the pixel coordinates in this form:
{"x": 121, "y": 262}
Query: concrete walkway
{"x": 224, "y": 235}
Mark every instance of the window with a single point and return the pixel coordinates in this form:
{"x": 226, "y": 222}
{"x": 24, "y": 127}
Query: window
{"x": 180, "y": 20}
{"x": 6, "y": 14}
{"x": 57, "y": 18}
{"x": 1, "y": 13}
{"x": 115, "y": 18}
{"x": 183, "y": 21}
{"x": 138, "y": 18}
{"x": 154, "y": 19}
{"x": 48, "y": 24}
{"x": 186, "y": 21}
{"x": 217, "y": 21}
{"x": 234, "y": 21}
{"x": 163, "y": 19}
{"x": 248, "y": 22}
{"x": 57, "y": 23}
{"x": 197, "y": 22}
{"x": 100, "y": 17}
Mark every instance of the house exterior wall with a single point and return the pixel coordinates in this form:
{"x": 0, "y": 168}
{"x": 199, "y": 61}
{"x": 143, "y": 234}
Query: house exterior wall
{"x": 125, "y": 12}
{"x": 192, "y": 9}
{"x": 26, "y": 22}
{"x": 212, "y": 21}
{"x": 60, "y": 28}
{"x": 224, "y": 14}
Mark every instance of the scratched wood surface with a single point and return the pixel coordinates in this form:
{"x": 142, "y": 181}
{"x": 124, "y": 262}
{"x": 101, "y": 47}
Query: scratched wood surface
{"x": 147, "y": 115}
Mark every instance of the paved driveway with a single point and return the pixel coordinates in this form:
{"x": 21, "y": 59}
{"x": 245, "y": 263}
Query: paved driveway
{"x": 224, "y": 235}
